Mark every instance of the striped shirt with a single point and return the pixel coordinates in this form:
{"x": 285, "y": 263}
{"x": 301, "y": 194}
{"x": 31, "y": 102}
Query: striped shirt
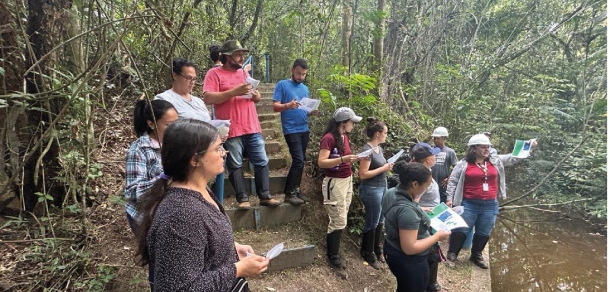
{"x": 143, "y": 165}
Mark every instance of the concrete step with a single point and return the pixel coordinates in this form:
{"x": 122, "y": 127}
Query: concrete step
{"x": 268, "y": 117}
{"x": 275, "y": 162}
{"x": 258, "y": 217}
{"x": 276, "y": 185}
{"x": 272, "y": 147}
{"x": 265, "y": 102}
{"x": 271, "y": 133}
{"x": 268, "y": 125}
{"x": 298, "y": 250}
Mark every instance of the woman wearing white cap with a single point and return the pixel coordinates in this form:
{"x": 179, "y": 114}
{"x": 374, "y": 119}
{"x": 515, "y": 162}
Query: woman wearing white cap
{"x": 476, "y": 182}
{"x": 336, "y": 158}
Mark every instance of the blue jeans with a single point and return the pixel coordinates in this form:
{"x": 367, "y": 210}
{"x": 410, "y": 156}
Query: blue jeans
{"x": 480, "y": 214}
{"x": 254, "y": 145}
{"x": 297, "y": 145}
{"x": 371, "y": 198}
{"x": 411, "y": 271}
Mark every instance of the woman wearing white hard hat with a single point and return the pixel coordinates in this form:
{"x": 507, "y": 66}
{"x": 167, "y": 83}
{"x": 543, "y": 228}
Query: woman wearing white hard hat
{"x": 475, "y": 183}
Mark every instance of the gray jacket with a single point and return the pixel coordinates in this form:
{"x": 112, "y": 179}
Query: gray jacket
{"x": 455, "y": 186}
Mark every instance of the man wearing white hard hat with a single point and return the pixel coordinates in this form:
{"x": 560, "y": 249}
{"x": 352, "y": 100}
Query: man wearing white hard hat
{"x": 444, "y": 160}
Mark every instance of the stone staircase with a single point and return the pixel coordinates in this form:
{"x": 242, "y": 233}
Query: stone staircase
{"x": 263, "y": 227}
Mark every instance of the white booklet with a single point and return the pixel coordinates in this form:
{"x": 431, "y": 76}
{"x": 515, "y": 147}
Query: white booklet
{"x": 444, "y": 218}
{"x": 309, "y": 104}
{"x": 522, "y": 148}
{"x": 394, "y": 158}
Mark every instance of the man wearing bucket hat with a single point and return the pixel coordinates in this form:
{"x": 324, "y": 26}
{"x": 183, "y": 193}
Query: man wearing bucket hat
{"x": 225, "y": 88}
{"x": 336, "y": 158}
{"x": 445, "y": 159}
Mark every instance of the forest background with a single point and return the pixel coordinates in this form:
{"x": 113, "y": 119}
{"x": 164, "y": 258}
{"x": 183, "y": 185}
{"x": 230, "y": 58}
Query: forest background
{"x": 519, "y": 69}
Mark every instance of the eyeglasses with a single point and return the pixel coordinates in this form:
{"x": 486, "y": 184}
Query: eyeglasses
{"x": 189, "y": 78}
{"x": 222, "y": 150}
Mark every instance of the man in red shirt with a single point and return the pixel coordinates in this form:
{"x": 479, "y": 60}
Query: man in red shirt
{"x": 225, "y": 88}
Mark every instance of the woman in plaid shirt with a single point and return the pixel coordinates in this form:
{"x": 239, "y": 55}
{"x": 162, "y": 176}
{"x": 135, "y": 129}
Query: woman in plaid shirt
{"x": 143, "y": 162}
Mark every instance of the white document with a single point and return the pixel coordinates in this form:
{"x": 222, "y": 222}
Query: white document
{"x": 522, "y": 148}
{"x": 222, "y": 126}
{"x": 273, "y": 252}
{"x": 394, "y": 158}
{"x": 309, "y": 104}
{"x": 254, "y": 84}
{"x": 444, "y": 218}
{"x": 366, "y": 153}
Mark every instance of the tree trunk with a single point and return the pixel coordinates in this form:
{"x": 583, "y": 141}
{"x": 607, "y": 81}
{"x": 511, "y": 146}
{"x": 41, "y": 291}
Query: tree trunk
{"x": 345, "y": 33}
{"x": 378, "y": 45}
{"x": 46, "y": 21}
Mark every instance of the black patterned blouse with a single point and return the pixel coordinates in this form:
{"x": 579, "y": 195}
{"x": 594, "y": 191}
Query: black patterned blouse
{"x": 191, "y": 244}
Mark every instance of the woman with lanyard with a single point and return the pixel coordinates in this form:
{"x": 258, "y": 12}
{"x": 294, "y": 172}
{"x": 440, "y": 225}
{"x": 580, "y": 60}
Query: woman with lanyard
{"x": 408, "y": 240}
{"x": 424, "y": 154}
{"x": 373, "y": 184}
{"x": 475, "y": 183}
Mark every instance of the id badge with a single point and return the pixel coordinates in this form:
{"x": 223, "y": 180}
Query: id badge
{"x": 485, "y": 187}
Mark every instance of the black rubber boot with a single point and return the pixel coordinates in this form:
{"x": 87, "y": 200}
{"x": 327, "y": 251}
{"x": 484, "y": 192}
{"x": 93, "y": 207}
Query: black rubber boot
{"x": 456, "y": 240}
{"x": 476, "y": 253}
{"x": 333, "y": 243}
{"x": 379, "y": 243}
{"x": 432, "y": 282}
{"x": 366, "y": 249}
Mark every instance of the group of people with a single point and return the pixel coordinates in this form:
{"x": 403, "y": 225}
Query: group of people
{"x": 184, "y": 234}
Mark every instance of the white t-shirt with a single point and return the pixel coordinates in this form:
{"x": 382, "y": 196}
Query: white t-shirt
{"x": 193, "y": 109}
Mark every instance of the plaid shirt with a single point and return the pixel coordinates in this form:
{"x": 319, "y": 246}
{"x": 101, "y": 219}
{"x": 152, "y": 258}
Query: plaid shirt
{"x": 143, "y": 165}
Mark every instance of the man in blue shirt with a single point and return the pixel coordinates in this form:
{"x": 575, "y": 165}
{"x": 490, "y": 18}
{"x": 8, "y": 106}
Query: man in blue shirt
{"x": 295, "y": 125}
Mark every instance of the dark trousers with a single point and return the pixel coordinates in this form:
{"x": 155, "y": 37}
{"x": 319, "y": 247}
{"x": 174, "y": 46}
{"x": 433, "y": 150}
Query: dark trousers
{"x": 297, "y": 145}
{"x": 411, "y": 271}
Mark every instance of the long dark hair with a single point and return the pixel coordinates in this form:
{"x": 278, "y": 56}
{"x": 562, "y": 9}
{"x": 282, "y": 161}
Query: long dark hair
{"x": 409, "y": 172}
{"x": 333, "y": 128}
{"x": 375, "y": 125}
{"x": 145, "y": 111}
{"x": 471, "y": 155}
{"x": 182, "y": 140}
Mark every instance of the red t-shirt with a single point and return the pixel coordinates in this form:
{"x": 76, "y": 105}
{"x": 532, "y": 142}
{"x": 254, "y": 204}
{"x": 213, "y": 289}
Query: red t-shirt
{"x": 241, "y": 111}
{"x": 345, "y": 168}
{"x": 474, "y": 180}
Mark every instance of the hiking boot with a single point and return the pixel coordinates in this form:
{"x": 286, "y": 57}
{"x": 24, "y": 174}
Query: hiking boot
{"x": 270, "y": 202}
{"x": 243, "y": 205}
{"x": 292, "y": 199}
{"x": 301, "y": 196}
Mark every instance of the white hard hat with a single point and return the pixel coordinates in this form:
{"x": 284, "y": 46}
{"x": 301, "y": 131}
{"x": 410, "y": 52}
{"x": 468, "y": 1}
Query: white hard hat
{"x": 440, "y": 132}
{"x": 479, "y": 139}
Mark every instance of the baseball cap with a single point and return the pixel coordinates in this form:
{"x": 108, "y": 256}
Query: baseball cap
{"x": 231, "y": 46}
{"x": 423, "y": 150}
{"x": 344, "y": 114}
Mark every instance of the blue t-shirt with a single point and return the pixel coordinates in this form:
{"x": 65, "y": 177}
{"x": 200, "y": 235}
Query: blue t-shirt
{"x": 293, "y": 120}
